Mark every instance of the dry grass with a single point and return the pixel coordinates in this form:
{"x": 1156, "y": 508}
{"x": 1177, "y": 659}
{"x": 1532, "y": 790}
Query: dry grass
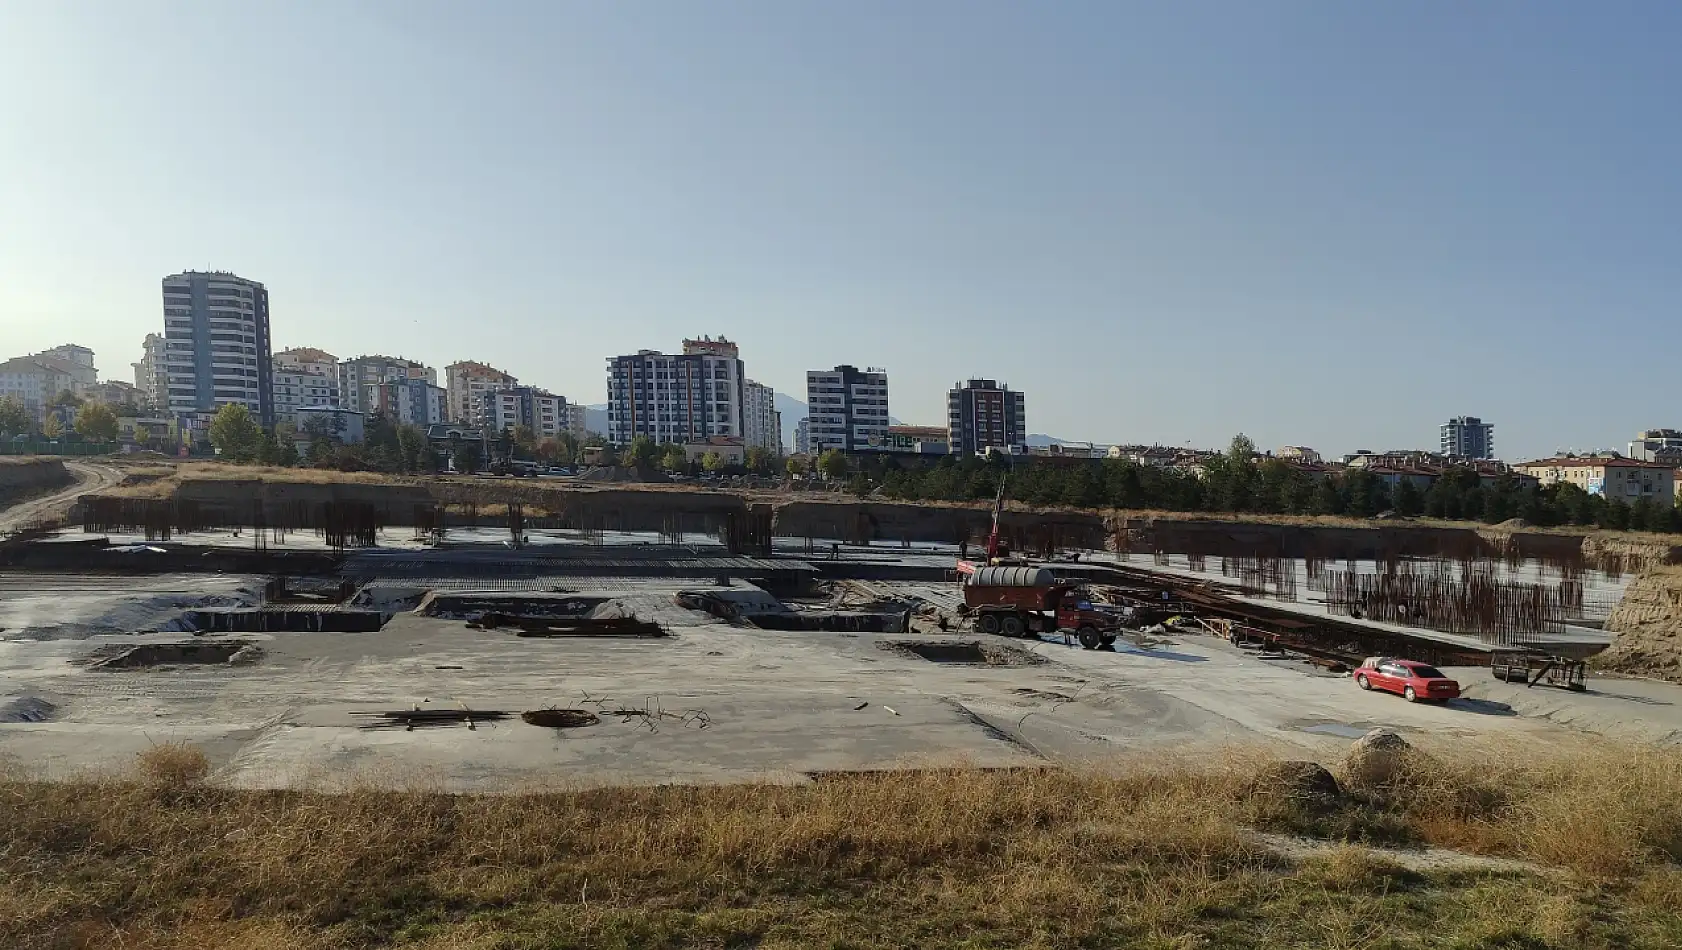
{"x": 1033, "y": 858}
{"x": 171, "y": 765}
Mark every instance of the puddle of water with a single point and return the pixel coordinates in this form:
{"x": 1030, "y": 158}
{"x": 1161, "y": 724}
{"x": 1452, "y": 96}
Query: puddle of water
{"x": 1341, "y": 730}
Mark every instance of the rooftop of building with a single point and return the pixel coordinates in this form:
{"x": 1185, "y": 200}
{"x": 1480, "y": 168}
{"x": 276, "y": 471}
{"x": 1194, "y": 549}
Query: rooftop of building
{"x": 218, "y": 274}
{"x": 474, "y": 366}
{"x": 924, "y": 432}
{"x": 23, "y": 364}
{"x": 1592, "y": 461}
{"x": 308, "y": 354}
{"x": 394, "y": 360}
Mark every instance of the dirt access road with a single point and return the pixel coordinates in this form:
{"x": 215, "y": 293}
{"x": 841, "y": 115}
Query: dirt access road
{"x": 90, "y": 477}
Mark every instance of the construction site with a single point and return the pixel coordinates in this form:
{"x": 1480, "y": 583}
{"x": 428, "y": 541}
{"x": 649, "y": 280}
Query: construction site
{"x": 484, "y": 639}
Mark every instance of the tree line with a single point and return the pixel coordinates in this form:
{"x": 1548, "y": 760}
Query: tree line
{"x": 93, "y": 421}
{"x": 1238, "y": 482}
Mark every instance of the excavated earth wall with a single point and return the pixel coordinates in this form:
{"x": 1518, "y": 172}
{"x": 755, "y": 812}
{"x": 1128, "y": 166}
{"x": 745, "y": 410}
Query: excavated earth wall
{"x": 22, "y": 477}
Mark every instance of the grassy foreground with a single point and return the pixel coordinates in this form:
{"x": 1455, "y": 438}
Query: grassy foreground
{"x": 1163, "y": 858}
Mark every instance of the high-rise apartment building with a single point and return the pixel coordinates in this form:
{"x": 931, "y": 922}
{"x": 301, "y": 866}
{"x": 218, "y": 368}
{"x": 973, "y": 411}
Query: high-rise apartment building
{"x": 216, "y": 344}
{"x": 1468, "y": 437}
{"x": 149, "y": 372}
{"x": 981, "y": 414}
{"x": 468, "y": 381}
{"x": 803, "y": 436}
{"x": 761, "y": 423}
{"x": 355, "y": 376}
{"x": 687, "y": 397}
{"x": 539, "y": 410}
{"x": 848, "y": 408}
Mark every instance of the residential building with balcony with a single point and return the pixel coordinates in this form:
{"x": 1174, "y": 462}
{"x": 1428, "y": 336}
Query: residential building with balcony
{"x": 539, "y": 410}
{"x": 683, "y": 398}
{"x": 468, "y": 381}
{"x": 411, "y": 401}
{"x": 35, "y": 381}
{"x": 983, "y": 415}
{"x": 761, "y": 423}
{"x": 216, "y": 345}
{"x": 1468, "y": 437}
{"x": 847, "y": 409}
{"x": 577, "y": 419}
{"x": 1612, "y": 477}
{"x": 304, "y": 377}
{"x": 357, "y": 375}
{"x": 149, "y": 371}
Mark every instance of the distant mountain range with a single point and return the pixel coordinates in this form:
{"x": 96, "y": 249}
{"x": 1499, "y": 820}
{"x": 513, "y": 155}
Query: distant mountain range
{"x": 1040, "y": 440}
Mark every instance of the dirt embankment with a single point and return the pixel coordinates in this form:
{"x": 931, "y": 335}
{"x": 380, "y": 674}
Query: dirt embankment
{"x": 23, "y": 477}
{"x": 1648, "y": 624}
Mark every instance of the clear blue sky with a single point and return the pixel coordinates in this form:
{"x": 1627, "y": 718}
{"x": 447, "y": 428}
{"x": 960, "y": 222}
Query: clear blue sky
{"x": 1331, "y": 224}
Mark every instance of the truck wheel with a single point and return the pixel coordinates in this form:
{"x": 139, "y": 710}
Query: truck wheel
{"x": 1012, "y": 626}
{"x": 989, "y": 623}
{"x": 1089, "y": 637}
{"x": 1109, "y": 643}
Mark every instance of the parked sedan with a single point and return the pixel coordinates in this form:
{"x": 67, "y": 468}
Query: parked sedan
{"x": 1415, "y": 681}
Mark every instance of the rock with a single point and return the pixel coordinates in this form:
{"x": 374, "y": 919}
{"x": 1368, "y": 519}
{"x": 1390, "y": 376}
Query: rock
{"x": 245, "y": 655}
{"x": 1376, "y": 759}
{"x": 1298, "y": 785}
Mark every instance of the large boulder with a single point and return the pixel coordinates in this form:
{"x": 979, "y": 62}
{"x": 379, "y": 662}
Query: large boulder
{"x": 1377, "y": 760}
{"x": 1297, "y": 786}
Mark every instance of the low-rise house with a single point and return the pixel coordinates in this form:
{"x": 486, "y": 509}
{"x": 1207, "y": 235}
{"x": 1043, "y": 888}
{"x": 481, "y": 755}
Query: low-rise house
{"x": 1612, "y": 477}
{"x": 733, "y": 450}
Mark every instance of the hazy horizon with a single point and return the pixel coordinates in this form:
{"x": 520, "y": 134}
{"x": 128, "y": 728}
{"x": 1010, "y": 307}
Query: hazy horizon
{"x": 1327, "y": 225}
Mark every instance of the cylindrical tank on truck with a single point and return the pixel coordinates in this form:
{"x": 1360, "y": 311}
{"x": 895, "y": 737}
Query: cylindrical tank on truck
{"x": 1019, "y": 600}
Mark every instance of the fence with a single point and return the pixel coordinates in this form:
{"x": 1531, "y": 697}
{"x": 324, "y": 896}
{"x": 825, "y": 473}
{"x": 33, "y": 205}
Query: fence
{"x": 73, "y": 449}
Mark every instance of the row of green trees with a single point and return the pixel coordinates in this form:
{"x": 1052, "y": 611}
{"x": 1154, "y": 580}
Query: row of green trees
{"x": 93, "y": 421}
{"x": 386, "y": 446}
{"x": 1237, "y": 482}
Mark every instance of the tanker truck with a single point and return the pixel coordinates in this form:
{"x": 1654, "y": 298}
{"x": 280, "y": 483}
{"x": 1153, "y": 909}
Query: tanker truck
{"x": 1018, "y": 601}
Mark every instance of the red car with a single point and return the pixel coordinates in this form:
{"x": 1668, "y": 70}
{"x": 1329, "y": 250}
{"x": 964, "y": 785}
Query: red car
{"x": 1416, "y": 681}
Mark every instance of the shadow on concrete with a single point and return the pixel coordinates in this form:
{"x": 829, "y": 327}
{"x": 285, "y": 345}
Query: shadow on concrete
{"x": 1644, "y": 700}
{"x": 1124, "y": 647}
{"x": 1483, "y": 707}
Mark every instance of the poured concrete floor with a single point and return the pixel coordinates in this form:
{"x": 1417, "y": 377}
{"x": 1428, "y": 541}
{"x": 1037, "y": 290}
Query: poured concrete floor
{"x": 730, "y": 703}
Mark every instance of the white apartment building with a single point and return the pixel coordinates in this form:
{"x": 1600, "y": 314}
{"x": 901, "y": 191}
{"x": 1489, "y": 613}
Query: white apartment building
{"x": 35, "y": 381}
{"x": 543, "y": 412}
{"x": 687, "y": 397}
{"x": 304, "y": 377}
{"x": 468, "y": 381}
{"x": 78, "y": 362}
{"x": 355, "y": 376}
{"x": 149, "y": 372}
{"x": 761, "y": 425}
{"x": 216, "y": 339}
{"x": 848, "y": 408}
